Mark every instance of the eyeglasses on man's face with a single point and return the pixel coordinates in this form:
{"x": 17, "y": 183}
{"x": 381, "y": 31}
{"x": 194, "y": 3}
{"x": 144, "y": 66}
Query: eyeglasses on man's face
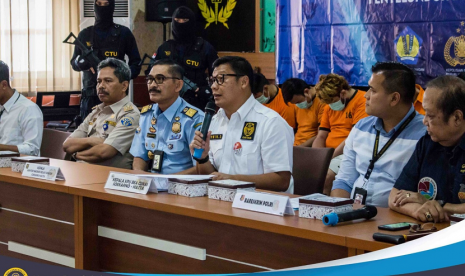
{"x": 219, "y": 79}
{"x": 159, "y": 79}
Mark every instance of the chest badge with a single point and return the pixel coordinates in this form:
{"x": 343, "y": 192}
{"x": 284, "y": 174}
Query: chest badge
{"x": 105, "y": 126}
{"x": 248, "y": 132}
{"x": 237, "y": 148}
{"x": 168, "y": 53}
{"x": 428, "y": 188}
{"x": 153, "y": 121}
{"x": 138, "y": 130}
{"x": 150, "y": 155}
{"x": 462, "y": 193}
{"x": 170, "y": 146}
{"x": 176, "y": 127}
{"x": 177, "y": 118}
{"x": 152, "y": 130}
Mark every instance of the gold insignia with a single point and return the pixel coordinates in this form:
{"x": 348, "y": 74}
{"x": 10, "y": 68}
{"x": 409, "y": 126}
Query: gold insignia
{"x": 146, "y": 108}
{"x": 152, "y": 130}
{"x": 88, "y": 44}
{"x": 456, "y": 45}
{"x": 248, "y": 131}
{"x": 112, "y": 116}
{"x": 408, "y": 47}
{"x": 222, "y": 16}
{"x": 128, "y": 108}
{"x": 111, "y": 123}
{"x": 189, "y": 112}
{"x": 91, "y": 123}
{"x": 168, "y": 53}
{"x": 177, "y": 118}
{"x": 197, "y": 125}
{"x": 94, "y": 107}
{"x": 153, "y": 121}
{"x": 150, "y": 155}
{"x": 176, "y": 127}
{"x": 153, "y": 145}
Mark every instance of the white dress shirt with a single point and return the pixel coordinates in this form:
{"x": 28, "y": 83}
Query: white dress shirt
{"x": 21, "y": 124}
{"x": 256, "y": 140}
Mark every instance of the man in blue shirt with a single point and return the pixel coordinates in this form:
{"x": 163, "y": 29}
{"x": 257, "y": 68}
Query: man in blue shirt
{"x": 432, "y": 184}
{"x": 388, "y": 137}
{"x": 161, "y": 143}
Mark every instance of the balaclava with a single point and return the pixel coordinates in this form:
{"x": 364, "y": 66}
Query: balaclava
{"x": 104, "y": 15}
{"x": 183, "y": 32}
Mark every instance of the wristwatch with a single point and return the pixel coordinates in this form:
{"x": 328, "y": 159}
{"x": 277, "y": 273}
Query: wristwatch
{"x": 441, "y": 202}
{"x": 202, "y": 161}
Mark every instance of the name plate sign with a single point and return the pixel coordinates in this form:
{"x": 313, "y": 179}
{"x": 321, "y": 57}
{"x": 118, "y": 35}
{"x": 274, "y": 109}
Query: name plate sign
{"x": 129, "y": 183}
{"x": 43, "y": 172}
{"x": 263, "y": 202}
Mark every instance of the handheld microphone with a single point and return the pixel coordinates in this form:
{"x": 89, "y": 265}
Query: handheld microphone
{"x": 210, "y": 110}
{"x": 366, "y": 212}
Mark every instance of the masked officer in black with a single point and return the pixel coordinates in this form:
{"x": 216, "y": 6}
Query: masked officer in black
{"x": 107, "y": 39}
{"x": 193, "y": 53}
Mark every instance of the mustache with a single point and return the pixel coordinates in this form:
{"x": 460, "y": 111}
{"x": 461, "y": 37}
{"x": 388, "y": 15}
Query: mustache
{"x": 102, "y": 92}
{"x": 154, "y": 90}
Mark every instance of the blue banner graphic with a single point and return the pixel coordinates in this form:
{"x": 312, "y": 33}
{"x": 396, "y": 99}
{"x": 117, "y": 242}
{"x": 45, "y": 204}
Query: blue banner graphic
{"x": 348, "y": 37}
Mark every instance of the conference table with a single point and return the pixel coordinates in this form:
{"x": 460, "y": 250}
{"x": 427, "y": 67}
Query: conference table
{"x": 78, "y": 223}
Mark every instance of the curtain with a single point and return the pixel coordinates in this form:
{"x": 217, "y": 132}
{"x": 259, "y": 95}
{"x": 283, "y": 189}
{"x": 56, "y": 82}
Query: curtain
{"x": 31, "y": 35}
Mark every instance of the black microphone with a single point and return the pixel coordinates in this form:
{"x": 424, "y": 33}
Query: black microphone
{"x": 366, "y": 212}
{"x": 210, "y": 110}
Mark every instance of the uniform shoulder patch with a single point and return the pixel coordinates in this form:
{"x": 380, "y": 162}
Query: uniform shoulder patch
{"x": 146, "y": 108}
{"x": 189, "y": 112}
{"x": 128, "y": 107}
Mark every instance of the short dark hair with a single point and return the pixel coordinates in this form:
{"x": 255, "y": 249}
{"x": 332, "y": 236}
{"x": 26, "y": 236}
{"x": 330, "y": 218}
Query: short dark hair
{"x": 452, "y": 97}
{"x": 174, "y": 69}
{"x": 239, "y": 65}
{"x": 397, "y": 78}
{"x": 4, "y": 72}
{"x": 293, "y": 86}
{"x": 259, "y": 81}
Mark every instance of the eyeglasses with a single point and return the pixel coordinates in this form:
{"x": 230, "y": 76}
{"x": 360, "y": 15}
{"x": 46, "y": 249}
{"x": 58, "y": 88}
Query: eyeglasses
{"x": 423, "y": 228}
{"x": 219, "y": 79}
{"x": 159, "y": 79}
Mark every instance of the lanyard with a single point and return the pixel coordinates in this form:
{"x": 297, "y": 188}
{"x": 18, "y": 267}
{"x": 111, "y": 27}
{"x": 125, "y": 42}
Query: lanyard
{"x": 377, "y": 155}
{"x": 3, "y": 110}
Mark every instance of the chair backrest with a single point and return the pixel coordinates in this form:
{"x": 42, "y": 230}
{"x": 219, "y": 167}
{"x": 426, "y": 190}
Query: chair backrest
{"x": 310, "y": 168}
{"x": 52, "y": 143}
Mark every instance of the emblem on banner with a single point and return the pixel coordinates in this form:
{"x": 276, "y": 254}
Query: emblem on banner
{"x": 407, "y": 46}
{"x": 221, "y": 16}
{"x": 15, "y": 271}
{"x": 454, "y": 51}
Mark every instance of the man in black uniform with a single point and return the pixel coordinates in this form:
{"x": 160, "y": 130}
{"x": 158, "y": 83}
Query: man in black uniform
{"x": 193, "y": 53}
{"x": 107, "y": 39}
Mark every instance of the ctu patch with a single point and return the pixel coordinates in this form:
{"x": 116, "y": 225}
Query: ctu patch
{"x": 248, "y": 132}
{"x": 216, "y": 136}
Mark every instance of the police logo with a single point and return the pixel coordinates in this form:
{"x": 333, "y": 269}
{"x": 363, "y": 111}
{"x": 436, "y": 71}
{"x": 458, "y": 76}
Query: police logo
{"x": 407, "y": 46}
{"x": 126, "y": 121}
{"x": 248, "y": 132}
{"x": 428, "y": 188}
{"x": 461, "y": 194}
{"x": 15, "y": 271}
{"x": 454, "y": 50}
{"x": 176, "y": 127}
{"x": 221, "y": 16}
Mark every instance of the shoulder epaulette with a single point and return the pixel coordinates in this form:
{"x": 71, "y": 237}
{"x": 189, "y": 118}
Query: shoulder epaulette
{"x": 189, "y": 112}
{"x": 94, "y": 107}
{"x": 146, "y": 108}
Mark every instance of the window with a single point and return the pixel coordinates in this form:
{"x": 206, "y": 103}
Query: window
{"x": 31, "y": 35}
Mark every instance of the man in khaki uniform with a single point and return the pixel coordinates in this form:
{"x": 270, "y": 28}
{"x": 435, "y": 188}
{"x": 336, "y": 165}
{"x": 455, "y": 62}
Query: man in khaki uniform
{"x": 105, "y": 136}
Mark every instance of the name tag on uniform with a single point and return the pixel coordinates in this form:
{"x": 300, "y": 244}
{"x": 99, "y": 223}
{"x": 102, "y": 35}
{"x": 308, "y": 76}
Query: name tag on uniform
{"x": 216, "y": 136}
{"x": 248, "y": 132}
{"x": 263, "y": 202}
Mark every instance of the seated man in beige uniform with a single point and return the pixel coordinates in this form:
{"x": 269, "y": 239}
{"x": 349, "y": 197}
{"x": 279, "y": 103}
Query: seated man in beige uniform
{"x": 105, "y": 136}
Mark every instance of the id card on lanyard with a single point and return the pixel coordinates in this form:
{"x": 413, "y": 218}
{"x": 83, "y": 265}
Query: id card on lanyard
{"x": 360, "y": 193}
